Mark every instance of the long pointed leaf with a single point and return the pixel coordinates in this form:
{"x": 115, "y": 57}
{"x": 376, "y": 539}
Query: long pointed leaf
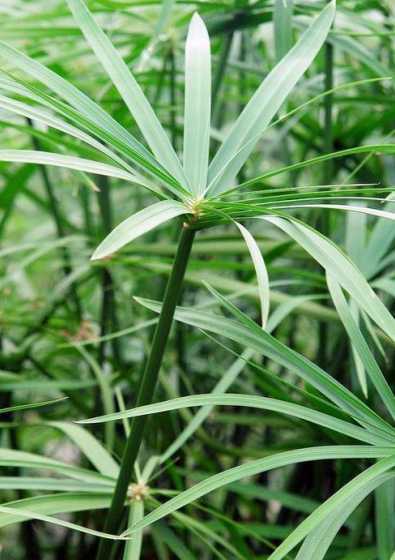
{"x": 266, "y": 102}
{"x": 261, "y": 272}
{"x": 256, "y": 467}
{"x": 250, "y": 401}
{"x": 252, "y": 336}
{"x": 333, "y": 260}
{"x": 129, "y": 89}
{"x": 197, "y": 105}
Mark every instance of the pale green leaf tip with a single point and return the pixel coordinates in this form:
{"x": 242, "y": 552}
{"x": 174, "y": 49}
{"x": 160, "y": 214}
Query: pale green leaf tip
{"x": 98, "y": 255}
{"x": 197, "y": 25}
{"x": 196, "y": 19}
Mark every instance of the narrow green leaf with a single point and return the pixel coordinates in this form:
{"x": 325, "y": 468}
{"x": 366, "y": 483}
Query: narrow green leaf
{"x": 46, "y": 118}
{"x": 53, "y": 484}
{"x": 14, "y": 458}
{"x": 261, "y": 272}
{"x": 385, "y": 519}
{"x": 25, "y": 514}
{"x": 257, "y": 467}
{"x": 369, "y": 149}
{"x": 134, "y": 545}
{"x": 249, "y": 401}
{"x": 266, "y": 102}
{"x": 222, "y": 386}
{"x": 70, "y": 162}
{"x": 252, "y": 336}
{"x": 197, "y": 105}
{"x": 372, "y": 368}
{"x": 90, "y": 447}
{"x": 30, "y": 406}
{"x": 282, "y": 20}
{"x": 332, "y": 259}
{"x": 336, "y": 501}
{"x": 52, "y": 504}
{"x": 348, "y": 208}
{"x": 319, "y": 540}
{"x": 72, "y": 95}
{"x": 138, "y": 224}
{"x": 129, "y": 89}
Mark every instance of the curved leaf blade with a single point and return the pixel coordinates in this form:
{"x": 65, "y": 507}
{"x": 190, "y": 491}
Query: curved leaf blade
{"x": 138, "y": 224}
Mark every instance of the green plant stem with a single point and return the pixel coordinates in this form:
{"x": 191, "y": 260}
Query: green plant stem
{"x": 219, "y": 77}
{"x": 109, "y": 316}
{"x": 173, "y": 98}
{"x": 53, "y": 205}
{"x": 327, "y": 179}
{"x": 147, "y": 387}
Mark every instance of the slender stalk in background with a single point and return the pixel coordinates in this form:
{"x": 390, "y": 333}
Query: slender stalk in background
{"x": 108, "y": 315}
{"x": 53, "y": 204}
{"x": 327, "y": 178}
{"x": 219, "y": 77}
{"x": 173, "y": 97}
{"x": 147, "y": 386}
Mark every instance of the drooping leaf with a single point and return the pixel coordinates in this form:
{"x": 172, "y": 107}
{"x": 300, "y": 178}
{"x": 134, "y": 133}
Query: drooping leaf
{"x": 261, "y": 272}
{"x": 138, "y": 224}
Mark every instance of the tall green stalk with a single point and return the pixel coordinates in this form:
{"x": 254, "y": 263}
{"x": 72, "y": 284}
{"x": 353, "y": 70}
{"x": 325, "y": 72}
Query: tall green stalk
{"x": 147, "y": 387}
{"x": 108, "y": 313}
{"x": 327, "y": 177}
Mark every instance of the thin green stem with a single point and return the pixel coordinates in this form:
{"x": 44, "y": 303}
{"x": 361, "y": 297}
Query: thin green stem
{"x": 219, "y": 77}
{"x": 109, "y": 316}
{"x": 327, "y": 178}
{"x": 173, "y": 97}
{"x": 147, "y": 387}
{"x": 54, "y": 207}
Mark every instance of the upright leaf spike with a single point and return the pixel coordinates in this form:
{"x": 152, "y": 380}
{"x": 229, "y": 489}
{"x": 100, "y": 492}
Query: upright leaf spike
{"x": 266, "y": 102}
{"x": 197, "y": 105}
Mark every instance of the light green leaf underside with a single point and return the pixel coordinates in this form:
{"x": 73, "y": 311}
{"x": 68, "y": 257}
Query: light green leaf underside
{"x": 249, "y": 401}
{"x": 138, "y": 224}
{"x": 197, "y": 105}
{"x": 261, "y": 272}
{"x": 69, "y": 162}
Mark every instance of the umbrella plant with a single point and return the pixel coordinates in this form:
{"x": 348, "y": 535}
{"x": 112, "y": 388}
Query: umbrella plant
{"x": 206, "y": 188}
